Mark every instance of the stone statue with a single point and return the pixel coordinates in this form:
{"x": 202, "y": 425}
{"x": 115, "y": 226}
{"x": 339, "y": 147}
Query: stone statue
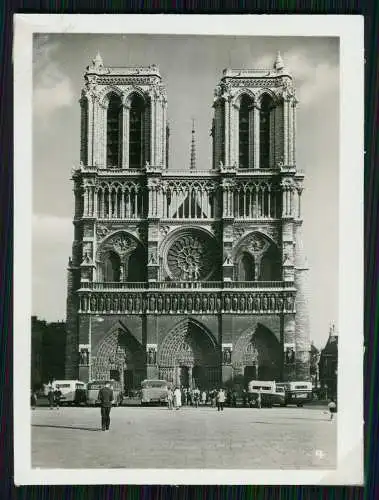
{"x": 174, "y": 303}
{"x": 264, "y": 303}
{"x": 205, "y": 304}
{"x": 159, "y": 304}
{"x": 250, "y": 303}
{"x": 152, "y": 303}
{"x": 130, "y": 304}
{"x": 108, "y": 301}
{"x": 182, "y": 303}
{"x": 197, "y": 304}
{"x": 235, "y": 303}
{"x": 93, "y": 303}
{"x": 272, "y": 303}
{"x": 243, "y": 304}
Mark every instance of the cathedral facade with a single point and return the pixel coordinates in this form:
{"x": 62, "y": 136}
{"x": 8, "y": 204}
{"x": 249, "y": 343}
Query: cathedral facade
{"x": 193, "y": 276}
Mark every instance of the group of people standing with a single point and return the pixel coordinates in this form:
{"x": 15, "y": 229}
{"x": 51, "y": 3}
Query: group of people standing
{"x": 185, "y": 396}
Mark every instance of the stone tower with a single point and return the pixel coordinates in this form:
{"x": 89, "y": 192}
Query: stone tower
{"x": 254, "y": 132}
{"x": 194, "y": 276}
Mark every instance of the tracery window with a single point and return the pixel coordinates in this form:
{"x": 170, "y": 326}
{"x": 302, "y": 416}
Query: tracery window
{"x": 244, "y": 132}
{"x": 264, "y": 132}
{"x": 136, "y": 132}
{"x": 114, "y": 124}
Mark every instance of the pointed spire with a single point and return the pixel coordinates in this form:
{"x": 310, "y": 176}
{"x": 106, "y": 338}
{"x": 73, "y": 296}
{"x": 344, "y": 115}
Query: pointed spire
{"x": 193, "y": 148}
{"x": 98, "y": 61}
{"x": 278, "y": 64}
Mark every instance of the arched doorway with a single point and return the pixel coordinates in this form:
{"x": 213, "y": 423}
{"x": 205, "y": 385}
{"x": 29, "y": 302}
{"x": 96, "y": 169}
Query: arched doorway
{"x": 189, "y": 356}
{"x": 120, "y": 357}
{"x": 257, "y": 355}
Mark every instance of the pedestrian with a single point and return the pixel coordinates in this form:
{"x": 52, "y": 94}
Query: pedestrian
{"x": 196, "y": 397}
{"x": 57, "y": 397}
{"x": 332, "y": 408}
{"x": 234, "y": 399}
{"x": 33, "y": 400}
{"x": 214, "y": 398}
{"x": 220, "y": 400}
{"x": 169, "y": 398}
{"x": 259, "y": 399}
{"x": 177, "y": 398}
{"x": 50, "y": 397}
{"x": 106, "y": 398}
{"x": 204, "y": 398}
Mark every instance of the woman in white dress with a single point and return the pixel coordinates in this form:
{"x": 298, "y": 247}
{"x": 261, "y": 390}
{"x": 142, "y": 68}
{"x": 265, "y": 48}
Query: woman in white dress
{"x": 177, "y": 398}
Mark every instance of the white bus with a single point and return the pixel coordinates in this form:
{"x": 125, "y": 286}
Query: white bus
{"x": 72, "y": 391}
{"x": 297, "y": 393}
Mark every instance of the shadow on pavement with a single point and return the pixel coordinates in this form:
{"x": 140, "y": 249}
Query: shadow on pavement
{"x": 67, "y": 427}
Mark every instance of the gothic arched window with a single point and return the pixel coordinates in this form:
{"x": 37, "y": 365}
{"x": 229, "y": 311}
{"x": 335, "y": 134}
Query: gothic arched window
{"x": 243, "y": 135}
{"x": 264, "y": 132}
{"x": 112, "y": 267}
{"x": 136, "y": 132}
{"x": 114, "y": 122}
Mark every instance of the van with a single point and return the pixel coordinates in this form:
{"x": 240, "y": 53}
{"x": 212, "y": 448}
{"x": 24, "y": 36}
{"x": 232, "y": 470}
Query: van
{"x": 73, "y": 392}
{"x": 297, "y": 393}
{"x": 270, "y": 394}
{"x": 154, "y": 391}
{"x": 94, "y": 387}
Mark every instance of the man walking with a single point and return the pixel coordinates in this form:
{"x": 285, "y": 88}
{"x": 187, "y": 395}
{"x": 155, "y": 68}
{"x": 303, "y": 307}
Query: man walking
{"x": 105, "y": 398}
{"x": 169, "y": 398}
{"x": 220, "y": 400}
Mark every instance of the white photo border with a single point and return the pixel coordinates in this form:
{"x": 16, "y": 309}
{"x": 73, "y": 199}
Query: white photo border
{"x": 350, "y": 383}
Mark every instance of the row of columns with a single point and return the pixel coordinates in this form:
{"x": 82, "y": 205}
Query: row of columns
{"x": 190, "y": 204}
{"x": 282, "y": 133}
{"x": 94, "y": 131}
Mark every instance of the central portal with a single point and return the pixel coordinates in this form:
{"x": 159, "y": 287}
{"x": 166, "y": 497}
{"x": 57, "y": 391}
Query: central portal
{"x": 189, "y": 356}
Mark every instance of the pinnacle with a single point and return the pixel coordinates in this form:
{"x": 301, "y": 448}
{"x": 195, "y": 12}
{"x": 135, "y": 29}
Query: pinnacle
{"x": 278, "y": 64}
{"x": 98, "y": 61}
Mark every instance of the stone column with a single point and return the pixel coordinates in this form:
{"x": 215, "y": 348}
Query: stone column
{"x": 285, "y": 131}
{"x": 227, "y": 132}
{"x": 256, "y": 135}
{"x": 125, "y": 135}
{"x": 294, "y": 132}
{"x": 90, "y": 134}
{"x": 152, "y": 130}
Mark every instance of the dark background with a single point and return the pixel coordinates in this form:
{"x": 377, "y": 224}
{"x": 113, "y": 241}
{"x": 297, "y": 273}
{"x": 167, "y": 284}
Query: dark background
{"x": 370, "y": 9}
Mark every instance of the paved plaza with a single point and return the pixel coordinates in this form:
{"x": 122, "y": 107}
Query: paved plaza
{"x": 287, "y": 438}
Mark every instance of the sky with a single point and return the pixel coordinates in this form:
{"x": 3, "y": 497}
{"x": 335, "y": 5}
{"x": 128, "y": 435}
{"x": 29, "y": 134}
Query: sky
{"x": 191, "y": 67}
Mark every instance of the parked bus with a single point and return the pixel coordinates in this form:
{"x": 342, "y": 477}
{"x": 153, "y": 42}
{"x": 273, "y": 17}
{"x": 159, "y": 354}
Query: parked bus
{"x": 154, "y": 391}
{"x": 94, "y": 387}
{"x": 270, "y": 394}
{"x": 72, "y": 391}
{"x": 297, "y": 393}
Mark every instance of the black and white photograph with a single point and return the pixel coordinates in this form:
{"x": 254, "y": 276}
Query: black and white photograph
{"x": 186, "y": 202}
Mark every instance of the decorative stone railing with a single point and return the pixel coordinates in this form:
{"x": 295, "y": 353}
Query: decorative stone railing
{"x": 186, "y": 285}
{"x": 187, "y": 302}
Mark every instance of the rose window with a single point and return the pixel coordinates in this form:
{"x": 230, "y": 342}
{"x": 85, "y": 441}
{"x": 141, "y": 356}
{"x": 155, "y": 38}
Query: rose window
{"x": 191, "y": 258}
